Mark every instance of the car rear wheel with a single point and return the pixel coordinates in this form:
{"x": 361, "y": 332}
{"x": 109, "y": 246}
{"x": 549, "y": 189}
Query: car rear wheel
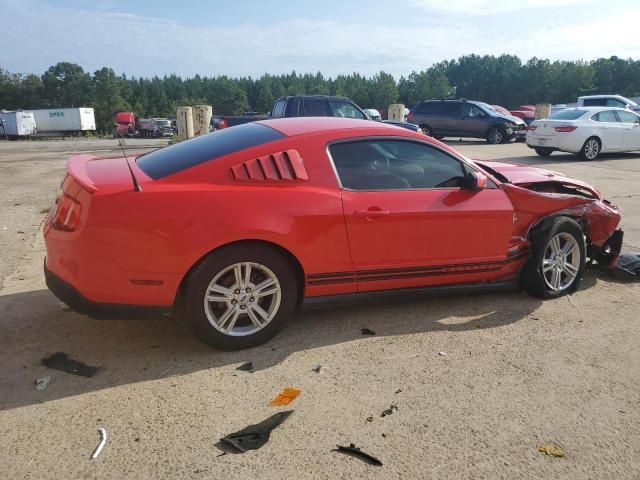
{"x": 591, "y": 149}
{"x": 240, "y": 296}
{"x": 496, "y": 136}
{"x": 544, "y": 151}
{"x": 557, "y": 261}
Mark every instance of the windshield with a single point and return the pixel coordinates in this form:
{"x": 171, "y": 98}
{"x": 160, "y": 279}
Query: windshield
{"x": 164, "y": 123}
{"x": 567, "y": 115}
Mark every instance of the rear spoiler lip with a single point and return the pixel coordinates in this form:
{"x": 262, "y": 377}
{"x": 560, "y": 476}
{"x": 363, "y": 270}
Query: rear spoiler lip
{"x": 76, "y": 167}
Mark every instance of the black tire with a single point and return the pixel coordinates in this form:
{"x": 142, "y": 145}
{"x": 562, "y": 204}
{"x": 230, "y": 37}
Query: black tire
{"x": 591, "y": 149}
{"x": 544, "y": 151}
{"x": 426, "y": 129}
{"x": 532, "y": 278}
{"x": 201, "y": 276}
{"x": 496, "y": 136}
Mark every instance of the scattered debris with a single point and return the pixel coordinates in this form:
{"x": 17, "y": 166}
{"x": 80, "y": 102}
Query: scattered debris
{"x": 369, "y": 419}
{"x": 65, "y": 307}
{"x": 398, "y": 391}
{"x": 61, "y": 361}
{"x": 246, "y": 367}
{"x": 366, "y": 331}
{"x": 384, "y": 435}
{"x": 167, "y": 370}
{"x": 255, "y": 436}
{"x": 20, "y": 231}
{"x": 103, "y": 441}
{"x": 285, "y": 397}
{"x": 552, "y": 450}
{"x": 627, "y": 267}
{"x": 45, "y": 210}
{"x": 42, "y": 383}
{"x": 317, "y": 369}
{"x": 442, "y": 354}
{"x": 390, "y": 410}
{"x": 354, "y": 451}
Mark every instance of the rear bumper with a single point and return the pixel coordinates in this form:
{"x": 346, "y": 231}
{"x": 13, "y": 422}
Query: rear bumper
{"x": 81, "y": 304}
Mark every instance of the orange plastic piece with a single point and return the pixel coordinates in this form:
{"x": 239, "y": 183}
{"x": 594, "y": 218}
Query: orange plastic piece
{"x": 285, "y": 397}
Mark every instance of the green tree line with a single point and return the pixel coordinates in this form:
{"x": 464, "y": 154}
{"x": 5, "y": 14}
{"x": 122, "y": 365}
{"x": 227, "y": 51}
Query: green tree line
{"x": 504, "y": 80}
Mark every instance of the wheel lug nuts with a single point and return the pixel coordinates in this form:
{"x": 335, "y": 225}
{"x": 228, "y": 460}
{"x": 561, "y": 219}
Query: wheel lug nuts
{"x": 251, "y": 299}
{"x": 233, "y": 302}
{"x": 248, "y": 290}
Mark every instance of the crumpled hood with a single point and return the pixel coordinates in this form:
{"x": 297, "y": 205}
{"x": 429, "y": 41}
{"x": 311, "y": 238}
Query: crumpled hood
{"x": 521, "y": 175}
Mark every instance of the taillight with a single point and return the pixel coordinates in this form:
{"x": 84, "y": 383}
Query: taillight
{"x": 565, "y": 128}
{"x": 223, "y": 123}
{"x": 66, "y": 213}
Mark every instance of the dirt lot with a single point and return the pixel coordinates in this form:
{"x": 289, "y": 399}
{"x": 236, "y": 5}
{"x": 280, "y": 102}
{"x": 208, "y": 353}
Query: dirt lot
{"x": 517, "y": 373}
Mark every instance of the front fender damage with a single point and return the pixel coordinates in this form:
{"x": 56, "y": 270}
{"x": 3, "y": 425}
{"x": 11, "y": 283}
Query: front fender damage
{"x": 598, "y": 219}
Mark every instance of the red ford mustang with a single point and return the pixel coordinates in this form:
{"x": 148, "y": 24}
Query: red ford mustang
{"x": 239, "y": 228}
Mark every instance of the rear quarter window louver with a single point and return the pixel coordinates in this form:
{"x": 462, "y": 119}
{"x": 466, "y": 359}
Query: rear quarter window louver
{"x": 286, "y": 166}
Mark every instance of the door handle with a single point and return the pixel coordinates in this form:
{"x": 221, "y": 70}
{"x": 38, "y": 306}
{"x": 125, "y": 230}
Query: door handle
{"x": 371, "y": 212}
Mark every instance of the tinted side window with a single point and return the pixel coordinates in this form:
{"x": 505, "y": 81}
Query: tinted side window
{"x": 628, "y": 117}
{"x": 607, "y": 116}
{"x": 175, "y": 158}
{"x": 614, "y": 102}
{"x": 278, "y": 109}
{"x": 426, "y": 108}
{"x": 315, "y": 107}
{"x": 395, "y": 165}
{"x": 595, "y": 102}
{"x": 451, "y": 108}
{"x": 469, "y": 110}
{"x": 345, "y": 109}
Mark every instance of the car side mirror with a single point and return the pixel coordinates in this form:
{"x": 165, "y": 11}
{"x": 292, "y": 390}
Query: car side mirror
{"x": 477, "y": 181}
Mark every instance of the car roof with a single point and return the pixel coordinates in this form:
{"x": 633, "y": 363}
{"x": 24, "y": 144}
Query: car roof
{"x": 306, "y": 125}
{"x": 595, "y": 109}
{"x": 302, "y": 95}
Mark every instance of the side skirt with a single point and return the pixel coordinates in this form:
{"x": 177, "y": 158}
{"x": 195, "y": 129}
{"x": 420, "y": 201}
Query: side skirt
{"x": 313, "y": 303}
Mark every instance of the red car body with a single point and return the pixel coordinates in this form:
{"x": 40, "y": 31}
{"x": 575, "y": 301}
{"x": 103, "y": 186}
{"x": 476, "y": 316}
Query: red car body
{"x": 118, "y": 236}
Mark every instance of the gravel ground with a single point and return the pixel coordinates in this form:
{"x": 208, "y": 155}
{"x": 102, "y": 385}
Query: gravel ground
{"x": 480, "y": 381}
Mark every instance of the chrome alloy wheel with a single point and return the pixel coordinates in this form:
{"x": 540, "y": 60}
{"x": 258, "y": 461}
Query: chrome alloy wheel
{"x": 561, "y": 262}
{"x": 592, "y": 149}
{"x": 242, "y": 299}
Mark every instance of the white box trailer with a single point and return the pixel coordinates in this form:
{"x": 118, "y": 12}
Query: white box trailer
{"x": 64, "y": 120}
{"x": 17, "y": 124}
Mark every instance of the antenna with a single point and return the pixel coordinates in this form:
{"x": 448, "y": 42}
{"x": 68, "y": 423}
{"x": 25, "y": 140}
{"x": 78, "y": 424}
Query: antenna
{"x": 136, "y": 186}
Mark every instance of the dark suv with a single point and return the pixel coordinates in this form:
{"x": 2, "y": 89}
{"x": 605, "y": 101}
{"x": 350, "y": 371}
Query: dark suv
{"x": 464, "y": 118}
{"x": 316, "y": 106}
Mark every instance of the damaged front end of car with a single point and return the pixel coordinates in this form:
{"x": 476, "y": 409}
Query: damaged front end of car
{"x": 539, "y": 196}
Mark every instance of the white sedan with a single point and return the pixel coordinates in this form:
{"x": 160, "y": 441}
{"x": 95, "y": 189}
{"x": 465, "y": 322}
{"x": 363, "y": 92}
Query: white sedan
{"x": 586, "y": 131}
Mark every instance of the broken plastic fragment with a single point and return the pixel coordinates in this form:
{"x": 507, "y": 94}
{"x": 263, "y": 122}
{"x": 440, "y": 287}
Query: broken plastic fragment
{"x": 255, "y": 436}
{"x": 354, "y": 451}
{"x": 627, "y": 267}
{"x": 366, "y": 331}
{"x": 42, "y": 383}
{"x": 317, "y": 369}
{"x": 286, "y": 396}
{"x": 103, "y": 441}
{"x": 61, "y": 361}
{"x": 246, "y": 367}
{"x": 390, "y": 410}
{"x": 552, "y": 450}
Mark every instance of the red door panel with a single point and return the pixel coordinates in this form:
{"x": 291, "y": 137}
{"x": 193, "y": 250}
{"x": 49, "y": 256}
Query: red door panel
{"x": 406, "y": 238}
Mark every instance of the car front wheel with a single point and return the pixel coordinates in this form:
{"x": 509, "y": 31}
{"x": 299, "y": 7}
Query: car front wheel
{"x": 496, "y": 136}
{"x": 240, "y": 296}
{"x": 557, "y": 261}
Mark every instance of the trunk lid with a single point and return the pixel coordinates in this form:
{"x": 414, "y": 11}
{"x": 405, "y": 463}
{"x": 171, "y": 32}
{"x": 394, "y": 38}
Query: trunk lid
{"x": 104, "y": 175}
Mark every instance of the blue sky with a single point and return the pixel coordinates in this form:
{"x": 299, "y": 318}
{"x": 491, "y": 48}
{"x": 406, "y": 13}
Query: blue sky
{"x": 252, "y": 37}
